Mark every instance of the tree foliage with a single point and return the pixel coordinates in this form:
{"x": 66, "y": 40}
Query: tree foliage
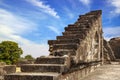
{"x": 29, "y": 57}
{"x": 10, "y": 52}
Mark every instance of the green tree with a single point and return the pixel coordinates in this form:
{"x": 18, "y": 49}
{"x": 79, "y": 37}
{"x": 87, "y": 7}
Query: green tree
{"x": 29, "y": 57}
{"x": 9, "y": 52}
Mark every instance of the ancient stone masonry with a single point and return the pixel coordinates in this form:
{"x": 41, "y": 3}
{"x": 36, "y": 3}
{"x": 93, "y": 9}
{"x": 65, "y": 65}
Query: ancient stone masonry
{"x": 82, "y": 40}
{"x": 6, "y": 69}
{"x": 115, "y": 45}
{"x": 73, "y": 55}
{"x": 108, "y": 52}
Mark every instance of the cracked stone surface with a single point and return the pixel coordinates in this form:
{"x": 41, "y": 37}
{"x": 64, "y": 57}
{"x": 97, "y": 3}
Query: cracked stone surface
{"x": 105, "y": 72}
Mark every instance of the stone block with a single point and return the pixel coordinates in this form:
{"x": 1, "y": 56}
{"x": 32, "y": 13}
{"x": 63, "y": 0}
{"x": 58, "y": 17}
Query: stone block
{"x": 50, "y": 60}
{"x": 71, "y": 25}
{"x": 43, "y": 68}
{"x": 77, "y": 28}
{"x": 6, "y": 69}
{"x": 9, "y": 69}
{"x": 64, "y": 52}
{"x": 86, "y": 16}
{"x": 66, "y": 33}
{"x": 66, "y": 41}
{"x": 85, "y": 20}
{"x": 65, "y": 46}
{"x": 80, "y": 36}
{"x": 32, "y": 76}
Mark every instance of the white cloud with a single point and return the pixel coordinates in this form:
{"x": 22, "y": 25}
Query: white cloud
{"x": 54, "y": 29}
{"x": 29, "y": 47}
{"x": 43, "y": 7}
{"x": 36, "y": 50}
{"x": 110, "y": 32}
{"x": 116, "y": 5}
{"x": 18, "y": 24}
{"x": 13, "y": 26}
{"x": 32, "y": 48}
{"x": 85, "y": 2}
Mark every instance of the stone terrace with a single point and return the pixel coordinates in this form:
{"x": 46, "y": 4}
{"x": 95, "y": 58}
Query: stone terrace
{"x": 105, "y": 72}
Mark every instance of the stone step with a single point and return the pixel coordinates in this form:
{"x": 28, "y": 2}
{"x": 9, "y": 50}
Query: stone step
{"x": 32, "y": 76}
{"x": 74, "y": 32}
{"x": 92, "y": 18}
{"x": 81, "y": 36}
{"x": 63, "y": 52}
{"x": 80, "y": 28}
{"x": 83, "y": 20}
{"x": 86, "y": 16}
{"x": 43, "y": 68}
{"x": 86, "y": 19}
{"x": 82, "y": 24}
{"x": 65, "y": 46}
{"x": 51, "y": 60}
{"x": 95, "y": 13}
{"x": 66, "y": 41}
{"x": 71, "y": 25}
{"x": 75, "y": 25}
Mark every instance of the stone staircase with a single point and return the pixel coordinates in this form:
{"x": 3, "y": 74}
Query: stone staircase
{"x": 63, "y": 52}
{"x": 45, "y": 68}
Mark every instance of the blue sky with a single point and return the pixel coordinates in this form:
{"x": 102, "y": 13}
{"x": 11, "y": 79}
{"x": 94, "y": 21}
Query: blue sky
{"x": 31, "y": 23}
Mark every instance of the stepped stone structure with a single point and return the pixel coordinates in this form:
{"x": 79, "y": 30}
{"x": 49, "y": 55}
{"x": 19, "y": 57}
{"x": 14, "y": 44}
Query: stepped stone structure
{"x": 72, "y": 56}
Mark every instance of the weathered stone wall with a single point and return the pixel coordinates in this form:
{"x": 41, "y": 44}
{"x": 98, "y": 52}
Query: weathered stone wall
{"x": 19, "y": 63}
{"x": 115, "y": 45}
{"x": 90, "y": 47}
{"x": 78, "y": 74}
{"x": 88, "y": 31}
{"x": 108, "y": 52}
{"x": 6, "y": 69}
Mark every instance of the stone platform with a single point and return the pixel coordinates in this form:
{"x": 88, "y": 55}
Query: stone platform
{"x": 105, "y": 72}
{"x": 33, "y": 76}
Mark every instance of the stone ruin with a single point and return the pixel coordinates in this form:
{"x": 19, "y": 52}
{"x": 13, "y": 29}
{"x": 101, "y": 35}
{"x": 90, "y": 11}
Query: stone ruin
{"x": 73, "y": 55}
{"x": 108, "y": 52}
{"x": 115, "y": 45}
{"x": 6, "y": 69}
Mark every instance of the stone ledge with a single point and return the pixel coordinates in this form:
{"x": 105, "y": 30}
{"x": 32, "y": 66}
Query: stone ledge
{"x": 79, "y": 28}
{"x": 43, "y": 68}
{"x": 32, "y": 76}
{"x": 63, "y": 52}
{"x": 74, "y": 32}
{"x": 50, "y": 60}
{"x": 66, "y": 41}
{"x": 65, "y": 46}
{"x": 80, "y": 36}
